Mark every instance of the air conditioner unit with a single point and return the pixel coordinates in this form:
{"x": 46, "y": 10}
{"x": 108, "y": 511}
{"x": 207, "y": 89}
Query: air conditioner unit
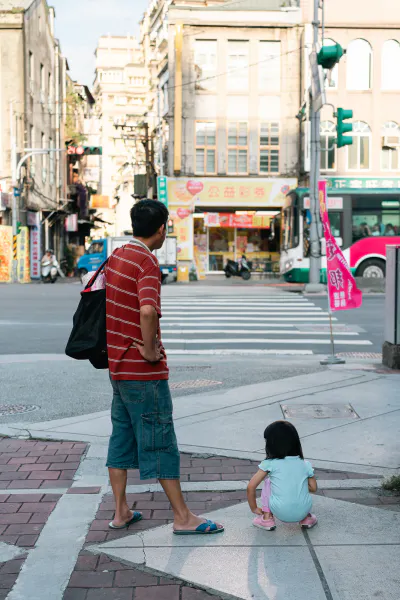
{"x": 390, "y": 141}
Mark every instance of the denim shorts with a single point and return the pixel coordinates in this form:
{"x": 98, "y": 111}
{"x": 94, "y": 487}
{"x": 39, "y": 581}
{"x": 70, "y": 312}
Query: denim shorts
{"x": 143, "y": 435}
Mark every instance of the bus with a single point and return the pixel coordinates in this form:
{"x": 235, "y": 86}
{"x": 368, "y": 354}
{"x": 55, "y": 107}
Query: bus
{"x": 363, "y": 222}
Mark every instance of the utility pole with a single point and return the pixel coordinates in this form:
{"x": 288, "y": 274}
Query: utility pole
{"x": 160, "y": 134}
{"x": 315, "y": 253}
{"x": 16, "y": 192}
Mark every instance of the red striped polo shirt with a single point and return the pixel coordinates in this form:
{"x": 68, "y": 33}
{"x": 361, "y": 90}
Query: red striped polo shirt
{"x": 133, "y": 280}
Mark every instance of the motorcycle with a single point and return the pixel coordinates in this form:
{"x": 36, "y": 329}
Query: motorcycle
{"x": 49, "y": 272}
{"x": 50, "y": 268}
{"x": 240, "y": 268}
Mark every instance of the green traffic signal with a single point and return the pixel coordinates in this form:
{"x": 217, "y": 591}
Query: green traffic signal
{"x": 328, "y": 56}
{"x": 342, "y": 128}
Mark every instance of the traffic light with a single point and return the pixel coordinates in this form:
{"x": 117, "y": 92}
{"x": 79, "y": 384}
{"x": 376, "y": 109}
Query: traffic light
{"x": 170, "y": 227}
{"x": 93, "y": 150}
{"x": 342, "y": 128}
{"x": 328, "y": 56}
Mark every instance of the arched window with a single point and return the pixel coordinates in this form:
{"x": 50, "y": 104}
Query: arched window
{"x": 391, "y": 146}
{"x": 390, "y": 65}
{"x": 359, "y": 65}
{"x": 332, "y": 75}
{"x": 328, "y": 148}
{"x": 358, "y": 154}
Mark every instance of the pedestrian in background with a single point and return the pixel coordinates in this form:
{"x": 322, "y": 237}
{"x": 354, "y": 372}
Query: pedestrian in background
{"x": 143, "y": 435}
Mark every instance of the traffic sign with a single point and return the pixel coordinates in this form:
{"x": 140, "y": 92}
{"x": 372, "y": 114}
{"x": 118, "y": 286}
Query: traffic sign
{"x": 162, "y": 190}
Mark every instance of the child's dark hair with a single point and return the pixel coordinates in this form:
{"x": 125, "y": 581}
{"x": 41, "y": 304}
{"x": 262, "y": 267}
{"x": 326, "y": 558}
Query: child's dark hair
{"x": 281, "y": 440}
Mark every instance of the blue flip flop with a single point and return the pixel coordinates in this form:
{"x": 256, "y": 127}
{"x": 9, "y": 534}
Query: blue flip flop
{"x": 137, "y": 516}
{"x": 202, "y": 529}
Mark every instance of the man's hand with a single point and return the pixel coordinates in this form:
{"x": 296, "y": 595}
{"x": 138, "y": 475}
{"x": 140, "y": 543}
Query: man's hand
{"x": 152, "y": 355}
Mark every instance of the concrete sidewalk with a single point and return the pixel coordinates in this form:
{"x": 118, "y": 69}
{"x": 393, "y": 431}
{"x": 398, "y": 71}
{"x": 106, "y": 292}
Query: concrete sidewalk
{"x": 349, "y": 421}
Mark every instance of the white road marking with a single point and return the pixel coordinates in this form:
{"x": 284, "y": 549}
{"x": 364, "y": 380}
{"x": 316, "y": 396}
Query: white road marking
{"x": 278, "y": 351}
{"x": 245, "y": 319}
{"x": 167, "y": 341}
{"x": 259, "y": 332}
{"x": 253, "y": 312}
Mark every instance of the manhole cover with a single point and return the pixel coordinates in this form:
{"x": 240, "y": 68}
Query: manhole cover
{"x": 16, "y": 409}
{"x": 373, "y": 355}
{"x": 196, "y": 383}
{"x": 319, "y": 411}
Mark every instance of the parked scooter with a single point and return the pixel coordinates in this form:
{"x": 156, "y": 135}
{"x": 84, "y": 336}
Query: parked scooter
{"x": 241, "y": 268}
{"x": 50, "y": 268}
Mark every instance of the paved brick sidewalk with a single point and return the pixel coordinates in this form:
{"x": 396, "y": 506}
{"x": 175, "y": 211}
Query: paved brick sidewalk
{"x": 30, "y": 465}
{"x": 23, "y": 515}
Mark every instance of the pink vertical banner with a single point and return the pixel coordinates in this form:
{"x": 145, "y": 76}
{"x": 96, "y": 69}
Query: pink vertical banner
{"x": 342, "y": 289}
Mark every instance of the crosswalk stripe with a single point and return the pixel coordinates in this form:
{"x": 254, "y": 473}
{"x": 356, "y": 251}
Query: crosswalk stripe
{"x": 167, "y": 341}
{"x": 259, "y": 332}
{"x": 240, "y": 305}
{"x": 253, "y": 312}
{"x": 257, "y": 319}
{"x": 247, "y": 319}
{"x": 236, "y": 351}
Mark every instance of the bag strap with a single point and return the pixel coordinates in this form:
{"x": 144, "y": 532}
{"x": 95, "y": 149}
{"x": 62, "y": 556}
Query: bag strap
{"x": 95, "y": 276}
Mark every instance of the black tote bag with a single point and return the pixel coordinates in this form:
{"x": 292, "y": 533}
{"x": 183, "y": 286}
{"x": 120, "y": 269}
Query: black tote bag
{"x": 88, "y": 339}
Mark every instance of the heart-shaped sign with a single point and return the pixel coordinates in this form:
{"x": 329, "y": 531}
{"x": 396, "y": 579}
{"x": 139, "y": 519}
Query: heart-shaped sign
{"x": 194, "y": 187}
{"x": 183, "y": 213}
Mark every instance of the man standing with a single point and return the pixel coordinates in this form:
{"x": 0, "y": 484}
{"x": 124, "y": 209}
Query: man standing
{"x": 143, "y": 435}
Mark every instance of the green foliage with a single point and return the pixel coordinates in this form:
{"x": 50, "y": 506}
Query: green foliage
{"x": 74, "y": 106}
{"x": 392, "y": 484}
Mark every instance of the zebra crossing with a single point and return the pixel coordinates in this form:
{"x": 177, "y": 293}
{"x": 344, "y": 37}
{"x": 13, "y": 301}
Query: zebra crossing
{"x": 282, "y": 323}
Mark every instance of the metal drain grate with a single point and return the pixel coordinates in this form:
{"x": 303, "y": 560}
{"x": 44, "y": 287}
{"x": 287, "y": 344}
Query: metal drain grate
{"x": 319, "y": 411}
{"x": 195, "y": 383}
{"x": 16, "y": 409}
{"x": 373, "y": 355}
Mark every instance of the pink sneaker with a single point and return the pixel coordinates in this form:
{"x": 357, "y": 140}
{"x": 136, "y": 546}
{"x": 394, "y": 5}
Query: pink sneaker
{"x": 267, "y": 524}
{"x": 309, "y": 522}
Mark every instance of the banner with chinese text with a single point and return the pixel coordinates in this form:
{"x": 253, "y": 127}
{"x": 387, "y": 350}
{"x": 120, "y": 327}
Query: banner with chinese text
{"x": 237, "y": 221}
{"x": 342, "y": 289}
{"x": 23, "y": 255}
{"x": 5, "y": 253}
{"x": 35, "y": 253}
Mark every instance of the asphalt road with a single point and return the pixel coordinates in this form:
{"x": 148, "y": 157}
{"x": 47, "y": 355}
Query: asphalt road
{"x": 35, "y": 321}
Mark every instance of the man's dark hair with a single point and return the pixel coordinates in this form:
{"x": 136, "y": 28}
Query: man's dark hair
{"x": 147, "y": 217}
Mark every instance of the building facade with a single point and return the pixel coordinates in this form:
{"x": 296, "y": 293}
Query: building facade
{"x": 120, "y": 90}
{"x": 229, "y": 79}
{"x": 367, "y": 81}
{"x": 33, "y": 84}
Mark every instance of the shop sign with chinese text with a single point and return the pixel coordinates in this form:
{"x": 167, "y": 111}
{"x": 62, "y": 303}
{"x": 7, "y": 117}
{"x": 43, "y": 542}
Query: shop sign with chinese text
{"x": 342, "y": 289}
{"x": 363, "y": 183}
{"x": 35, "y": 253}
{"x": 237, "y": 221}
{"x": 241, "y": 192}
{"x": 23, "y": 255}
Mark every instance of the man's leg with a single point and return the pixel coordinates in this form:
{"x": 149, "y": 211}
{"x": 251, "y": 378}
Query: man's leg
{"x": 184, "y": 519}
{"x": 118, "y": 478}
{"x": 122, "y": 455}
